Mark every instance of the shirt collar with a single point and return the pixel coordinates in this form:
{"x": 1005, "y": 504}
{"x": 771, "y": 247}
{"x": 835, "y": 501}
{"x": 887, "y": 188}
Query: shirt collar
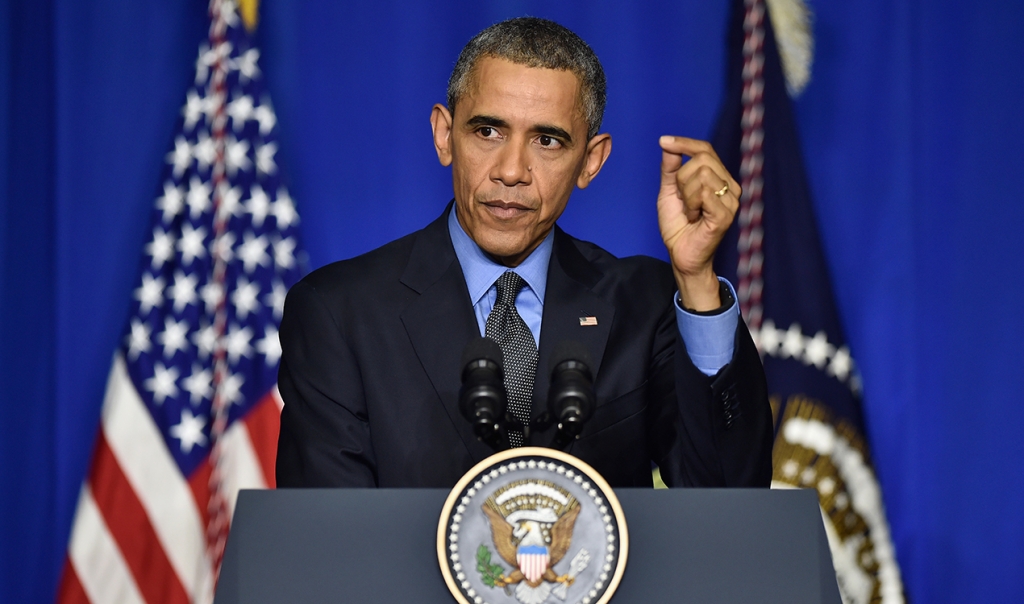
{"x": 481, "y": 271}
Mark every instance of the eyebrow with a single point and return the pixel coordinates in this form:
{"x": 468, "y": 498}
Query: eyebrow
{"x": 496, "y": 122}
{"x": 486, "y": 120}
{"x": 554, "y": 131}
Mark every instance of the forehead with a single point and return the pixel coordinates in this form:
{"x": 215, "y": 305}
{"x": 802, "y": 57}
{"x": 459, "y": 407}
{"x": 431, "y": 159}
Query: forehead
{"x": 518, "y": 93}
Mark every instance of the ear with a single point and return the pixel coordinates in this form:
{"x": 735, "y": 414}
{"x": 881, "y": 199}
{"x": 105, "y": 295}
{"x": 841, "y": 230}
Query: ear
{"x": 598, "y": 150}
{"x": 441, "y": 124}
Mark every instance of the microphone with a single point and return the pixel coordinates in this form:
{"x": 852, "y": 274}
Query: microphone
{"x": 571, "y": 397}
{"x": 482, "y": 398}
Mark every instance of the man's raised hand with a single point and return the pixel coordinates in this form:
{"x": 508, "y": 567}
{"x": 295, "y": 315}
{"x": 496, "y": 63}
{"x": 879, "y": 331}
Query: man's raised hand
{"x": 696, "y": 204}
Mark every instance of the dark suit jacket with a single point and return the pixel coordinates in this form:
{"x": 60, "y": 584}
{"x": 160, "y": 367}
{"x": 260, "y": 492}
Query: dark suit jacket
{"x": 370, "y": 373}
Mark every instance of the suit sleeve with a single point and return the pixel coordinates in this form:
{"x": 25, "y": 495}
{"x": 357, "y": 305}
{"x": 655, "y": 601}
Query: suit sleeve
{"x": 710, "y": 431}
{"x": 325, "y": 432}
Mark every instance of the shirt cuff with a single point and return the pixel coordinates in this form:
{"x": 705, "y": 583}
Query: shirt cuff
{"x": 710, "y": 340}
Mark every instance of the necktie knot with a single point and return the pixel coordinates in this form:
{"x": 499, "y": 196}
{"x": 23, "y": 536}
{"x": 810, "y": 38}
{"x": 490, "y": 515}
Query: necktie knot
{"x": 509, "y": 284}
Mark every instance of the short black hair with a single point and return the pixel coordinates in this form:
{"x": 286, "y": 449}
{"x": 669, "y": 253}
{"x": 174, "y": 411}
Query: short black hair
{"x": 536, "y": 42}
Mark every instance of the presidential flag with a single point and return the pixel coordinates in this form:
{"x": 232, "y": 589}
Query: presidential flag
{"x": 191, "y": 412}
{"x": 774, "y": 254}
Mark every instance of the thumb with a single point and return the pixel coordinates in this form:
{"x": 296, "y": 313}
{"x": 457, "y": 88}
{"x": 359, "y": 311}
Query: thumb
{"x": 671, "y": 161}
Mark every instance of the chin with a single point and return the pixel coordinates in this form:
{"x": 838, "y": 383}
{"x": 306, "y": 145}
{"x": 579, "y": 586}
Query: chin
{"x": 502, "y": 248}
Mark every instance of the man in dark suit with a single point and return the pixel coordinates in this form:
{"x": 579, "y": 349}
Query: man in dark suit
{"x": 370, "y": 371}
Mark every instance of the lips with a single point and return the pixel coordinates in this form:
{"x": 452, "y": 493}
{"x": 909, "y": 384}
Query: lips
{"x": 506, "y": 209}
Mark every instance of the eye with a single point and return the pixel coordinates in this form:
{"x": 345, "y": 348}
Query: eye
{"x": 487, "y": 132}
{"x": 549, "y": 142}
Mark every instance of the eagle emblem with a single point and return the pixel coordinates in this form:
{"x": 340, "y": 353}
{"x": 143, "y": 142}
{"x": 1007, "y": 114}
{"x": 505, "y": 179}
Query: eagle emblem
{"x": 531, "y": 527}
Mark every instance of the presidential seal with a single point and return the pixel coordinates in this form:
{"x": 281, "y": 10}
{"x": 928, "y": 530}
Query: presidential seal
{"x": 529, "y": 526}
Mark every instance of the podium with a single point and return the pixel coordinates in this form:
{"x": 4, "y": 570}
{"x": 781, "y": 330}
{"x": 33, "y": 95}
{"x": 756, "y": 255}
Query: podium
{"x": 369, "y": 546}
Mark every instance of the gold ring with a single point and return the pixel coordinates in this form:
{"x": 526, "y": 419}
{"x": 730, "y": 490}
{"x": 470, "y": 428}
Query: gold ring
{"x": 722, "y": 191}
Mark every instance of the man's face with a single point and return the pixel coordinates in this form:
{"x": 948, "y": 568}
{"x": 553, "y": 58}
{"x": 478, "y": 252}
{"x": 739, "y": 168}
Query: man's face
{"x": 517, "y": 145}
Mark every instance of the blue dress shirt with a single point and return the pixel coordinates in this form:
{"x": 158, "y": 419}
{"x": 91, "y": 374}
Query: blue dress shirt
{"x": 709, "y": 339}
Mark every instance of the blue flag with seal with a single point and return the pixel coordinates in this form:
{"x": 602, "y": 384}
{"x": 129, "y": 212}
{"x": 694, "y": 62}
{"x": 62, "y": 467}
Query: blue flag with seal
{"x": 773, "y": 253}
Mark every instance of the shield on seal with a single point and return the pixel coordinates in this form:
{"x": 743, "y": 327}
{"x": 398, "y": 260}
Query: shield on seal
{"x": 533, "y": 561}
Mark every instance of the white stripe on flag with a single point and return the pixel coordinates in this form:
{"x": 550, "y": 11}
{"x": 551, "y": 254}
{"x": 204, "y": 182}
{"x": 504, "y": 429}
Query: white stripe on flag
{"x": 277, "y": 399}
{"x": 159, "y": 485}
{"x": 239, "y": 464}
{"x": 97, "y": 561}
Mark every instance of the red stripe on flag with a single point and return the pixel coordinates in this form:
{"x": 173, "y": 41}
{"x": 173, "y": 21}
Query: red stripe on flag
{"x": 71, "y": 590}
{"x": 130, "y": 527}
{"x": 199, "y": 482}
{"x": 264, "y": 424}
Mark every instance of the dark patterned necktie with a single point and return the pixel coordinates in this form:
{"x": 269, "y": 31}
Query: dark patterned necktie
{"x": 507, "y": 328}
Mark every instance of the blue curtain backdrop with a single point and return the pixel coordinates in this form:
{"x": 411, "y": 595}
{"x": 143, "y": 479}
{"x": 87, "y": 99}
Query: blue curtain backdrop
{"x": 912, "y": 128}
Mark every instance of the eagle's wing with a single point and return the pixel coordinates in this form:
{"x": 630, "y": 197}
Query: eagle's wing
{"x": 561, "y": 535}
{"x": 501, "y": 533}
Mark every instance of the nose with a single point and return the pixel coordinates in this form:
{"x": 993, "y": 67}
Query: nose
{"x": 512, "y": 167}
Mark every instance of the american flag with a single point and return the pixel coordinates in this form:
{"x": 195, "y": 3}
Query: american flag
{"x": 191, "y": 412}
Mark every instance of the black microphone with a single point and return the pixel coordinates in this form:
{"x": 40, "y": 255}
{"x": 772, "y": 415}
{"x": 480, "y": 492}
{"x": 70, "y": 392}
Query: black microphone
{"x": 571, "y": 397}
{"x": 482, "y": 398}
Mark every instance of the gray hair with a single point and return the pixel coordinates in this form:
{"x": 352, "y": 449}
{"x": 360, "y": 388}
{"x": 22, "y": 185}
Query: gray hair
{"x": 536, "y": 43}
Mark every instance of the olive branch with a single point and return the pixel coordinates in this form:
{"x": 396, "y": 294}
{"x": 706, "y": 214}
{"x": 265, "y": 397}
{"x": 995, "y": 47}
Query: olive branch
{"x": 489, "y": 573}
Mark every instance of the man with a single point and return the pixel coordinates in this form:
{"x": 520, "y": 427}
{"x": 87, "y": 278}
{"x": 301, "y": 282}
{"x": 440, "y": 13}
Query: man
{"x": 370, "y": 371}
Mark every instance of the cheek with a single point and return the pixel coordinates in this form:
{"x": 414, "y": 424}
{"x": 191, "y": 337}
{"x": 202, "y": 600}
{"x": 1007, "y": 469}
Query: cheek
{"x": 557, "y": 185}
{"x": 468, "y": 172}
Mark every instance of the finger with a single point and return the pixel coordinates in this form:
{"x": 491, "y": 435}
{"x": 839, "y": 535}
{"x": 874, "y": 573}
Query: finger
{"x": 701, "y": 194}
{"x": 701, "y": 153}
{"x": 696, "y": 191}
{"x": 674, "y": 148}
{"x": 681, "y": 145}
{"x": 703, "y": 177}
{"x": 705, "y": 180}
{"x": 731, "y": 199}
{"x": 717, "y": 211}
{"x": 670, "y": 164}
{"x": 705, "y": 160}
{"x": 703, "y": 203}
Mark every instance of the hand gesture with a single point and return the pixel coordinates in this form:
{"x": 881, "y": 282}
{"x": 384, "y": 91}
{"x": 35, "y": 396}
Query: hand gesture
{"x": 696, "y": 204}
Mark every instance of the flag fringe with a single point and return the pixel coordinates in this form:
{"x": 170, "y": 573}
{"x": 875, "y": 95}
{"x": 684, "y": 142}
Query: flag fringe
{"x": 792, "y": 20}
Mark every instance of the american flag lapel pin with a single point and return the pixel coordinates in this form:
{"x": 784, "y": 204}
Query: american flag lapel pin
{"x": 588, "y": 321}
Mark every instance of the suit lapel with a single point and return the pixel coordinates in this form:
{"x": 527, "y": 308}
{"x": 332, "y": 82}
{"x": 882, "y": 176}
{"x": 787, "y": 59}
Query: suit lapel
{"x": 568, "y": 298}
{"x": 440, "y": 321}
